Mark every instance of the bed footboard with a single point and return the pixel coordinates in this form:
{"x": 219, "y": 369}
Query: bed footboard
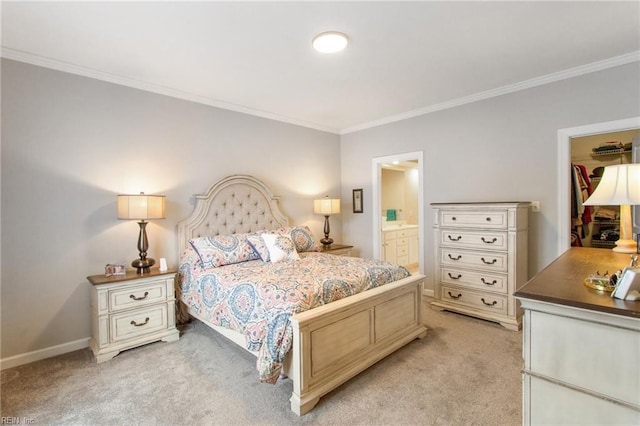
{"x": 335, "y": 342}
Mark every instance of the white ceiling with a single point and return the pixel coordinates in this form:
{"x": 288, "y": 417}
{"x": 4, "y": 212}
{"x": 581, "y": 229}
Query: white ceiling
{"x": 404, "y": 58}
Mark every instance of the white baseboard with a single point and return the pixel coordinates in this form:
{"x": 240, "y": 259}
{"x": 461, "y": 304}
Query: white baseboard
{"x": 26, "y": 358}
{"x": 428, "y": 292}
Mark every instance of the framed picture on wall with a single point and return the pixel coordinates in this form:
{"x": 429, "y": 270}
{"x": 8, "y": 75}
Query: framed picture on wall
{"x": 357, "y": 200}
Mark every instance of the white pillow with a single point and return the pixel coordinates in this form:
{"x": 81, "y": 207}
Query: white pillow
{"x": 281, "y": 247}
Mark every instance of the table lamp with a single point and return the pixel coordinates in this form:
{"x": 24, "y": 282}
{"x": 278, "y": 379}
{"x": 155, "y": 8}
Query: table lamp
{"x": 142, "y": 207}
{"x": 326, "y": 207}
{"x": 619, "y": 186}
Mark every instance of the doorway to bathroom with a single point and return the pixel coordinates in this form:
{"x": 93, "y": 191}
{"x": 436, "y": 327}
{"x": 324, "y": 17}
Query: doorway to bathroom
{"x": 399, "y": 210}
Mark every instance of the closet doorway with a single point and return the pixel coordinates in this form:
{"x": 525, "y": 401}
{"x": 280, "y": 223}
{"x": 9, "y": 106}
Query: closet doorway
{"x": 398, "y": 209}
{"x": 564, "y": 169}
{"x": 597, "y": 226}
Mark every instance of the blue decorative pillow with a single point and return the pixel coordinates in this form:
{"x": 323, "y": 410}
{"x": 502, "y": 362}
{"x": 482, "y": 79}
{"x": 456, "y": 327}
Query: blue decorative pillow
{"x": 303, "y": 239}
{"x": 223, "y": 250}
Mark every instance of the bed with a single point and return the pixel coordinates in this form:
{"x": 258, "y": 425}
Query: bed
{"x": 320, "y": 341}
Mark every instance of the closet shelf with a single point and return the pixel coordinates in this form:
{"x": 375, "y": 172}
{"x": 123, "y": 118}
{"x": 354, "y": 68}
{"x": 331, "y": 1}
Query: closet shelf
{"x": 602, "y": 222}
{"x": 611, "y": 152}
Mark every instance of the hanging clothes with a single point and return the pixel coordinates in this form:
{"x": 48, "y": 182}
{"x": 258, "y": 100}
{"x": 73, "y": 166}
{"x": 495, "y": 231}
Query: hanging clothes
{"x": 581, "y": 215}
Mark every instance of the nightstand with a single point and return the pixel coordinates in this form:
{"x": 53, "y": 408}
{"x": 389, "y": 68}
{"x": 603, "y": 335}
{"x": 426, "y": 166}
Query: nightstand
{"x": 337, "y": 249}
{"x": 131, "y": 310}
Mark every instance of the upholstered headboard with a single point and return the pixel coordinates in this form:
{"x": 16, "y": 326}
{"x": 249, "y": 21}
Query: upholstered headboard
{"x": 235, "y": 204}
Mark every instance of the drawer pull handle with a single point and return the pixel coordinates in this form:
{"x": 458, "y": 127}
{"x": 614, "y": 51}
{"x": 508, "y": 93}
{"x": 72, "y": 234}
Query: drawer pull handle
{"x": 454, "y": 258}
{"x": 454, "y": 297}
{"x": 488, "y": 263}
{"x": 487, "y": 282}
{"x": 454, "y": 278}
{"x": 489, "y": 242}
{"x": 489, "y": 304}
{"x": 458, "y": 238}
{"x": 453, "y": 218}
{"x": 135, "y": 324}
{"x": 488, "y": 219}
{"x": 146, "y": 293}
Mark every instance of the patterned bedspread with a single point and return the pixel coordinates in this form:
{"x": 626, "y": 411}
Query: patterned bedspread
{"x": 257, "y": 298}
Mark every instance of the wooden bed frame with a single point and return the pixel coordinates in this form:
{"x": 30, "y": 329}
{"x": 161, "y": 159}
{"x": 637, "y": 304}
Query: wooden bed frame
{"x": 331, "y": 343}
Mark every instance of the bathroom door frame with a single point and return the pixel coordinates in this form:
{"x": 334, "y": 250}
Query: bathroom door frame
{"x": 376, "y": 201}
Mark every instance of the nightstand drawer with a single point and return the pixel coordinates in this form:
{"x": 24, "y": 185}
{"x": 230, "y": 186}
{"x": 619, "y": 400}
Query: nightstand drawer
{"x": 492, "y": 219}
{"x": 135, "y": 296}
{"x": 483, "y": 301}
{"x": 128, "y": 325}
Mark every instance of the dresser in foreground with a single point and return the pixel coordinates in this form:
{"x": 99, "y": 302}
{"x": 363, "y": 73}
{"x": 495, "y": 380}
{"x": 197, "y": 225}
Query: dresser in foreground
{"x": 131, "y": 310}
{"x": 581, "y": 347}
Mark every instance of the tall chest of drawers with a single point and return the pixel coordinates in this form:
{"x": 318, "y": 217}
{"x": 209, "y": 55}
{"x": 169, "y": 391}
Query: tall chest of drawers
{"x": 481, "y": 259}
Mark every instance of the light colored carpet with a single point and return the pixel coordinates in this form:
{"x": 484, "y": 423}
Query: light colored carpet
{"x": 466, "y": 371}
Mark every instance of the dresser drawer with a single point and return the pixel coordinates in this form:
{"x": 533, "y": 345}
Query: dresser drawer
{"x": 484, "y": 240}
{"x": 475, "y": 259}
{"x": 485, "y": 301}
{"x": 477, "y": 280}
{"x": 489, "y": 219}
{"x": 134, "y": 296}
{"x": 131, "y": 324}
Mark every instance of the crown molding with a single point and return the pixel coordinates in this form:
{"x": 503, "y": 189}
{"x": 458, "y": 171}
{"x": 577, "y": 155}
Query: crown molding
{"x": 42, "y": 61}
{"x": 523, "y": 85}
{"x": 167, "y": 91}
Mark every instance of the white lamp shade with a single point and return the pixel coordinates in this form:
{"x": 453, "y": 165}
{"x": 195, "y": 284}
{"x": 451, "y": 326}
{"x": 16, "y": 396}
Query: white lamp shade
{"x": 141, "y": 207}
{"x": 326, "y": 206}
{"x": 620, "y": 185}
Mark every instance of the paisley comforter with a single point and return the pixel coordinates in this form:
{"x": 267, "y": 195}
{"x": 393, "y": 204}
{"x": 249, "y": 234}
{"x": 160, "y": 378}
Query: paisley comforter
{"x": 257, "y": 298}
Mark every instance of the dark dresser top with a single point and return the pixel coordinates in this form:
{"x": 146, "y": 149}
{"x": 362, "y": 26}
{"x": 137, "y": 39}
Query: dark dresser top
{"x": 562, "y": 282}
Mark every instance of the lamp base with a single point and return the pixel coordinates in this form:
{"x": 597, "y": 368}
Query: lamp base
{"x": 326, "y": 241}
{"x": 626, "y": 246}
{"x": 143, "y": 265}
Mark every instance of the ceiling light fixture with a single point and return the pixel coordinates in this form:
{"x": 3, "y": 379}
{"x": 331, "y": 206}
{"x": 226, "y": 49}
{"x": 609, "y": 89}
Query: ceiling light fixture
{"x": 330, "y": 42}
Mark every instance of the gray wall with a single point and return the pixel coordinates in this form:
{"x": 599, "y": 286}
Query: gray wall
{"x": 500, "y": 149}
{"x": 70, "y": 144}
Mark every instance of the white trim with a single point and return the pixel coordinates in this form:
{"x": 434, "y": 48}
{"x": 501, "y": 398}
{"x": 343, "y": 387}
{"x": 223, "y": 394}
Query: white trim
{"x": 29, "y": 58}
{"x": 167, "y": 91}
{"x": 40, "y": 354}
{"x": 523, "y": 85}
{"x": 376, "y": 196}
{"x": 564, "y": 164}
